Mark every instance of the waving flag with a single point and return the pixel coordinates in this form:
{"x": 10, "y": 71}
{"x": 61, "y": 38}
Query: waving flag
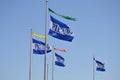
{"x": 100, "y": 66}
{"x": 65, "y": 17}
{"x": 61, "y": 50}
{"x": 60, "y": 30}
{"x": 38, "y": 35}
{"x": 59, "y": 60}
{"x": 39, "y": 47}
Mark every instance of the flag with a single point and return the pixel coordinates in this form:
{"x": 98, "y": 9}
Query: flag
{"x": 59, "y": 60}
{"x": 38, "y": 35}
{"x": 100, "y": 66}
{"x": 60, "y": 30}
{"x": 61, "y": 50}
{"x": 65, "y": 17}
{"x": 39, "y": 47}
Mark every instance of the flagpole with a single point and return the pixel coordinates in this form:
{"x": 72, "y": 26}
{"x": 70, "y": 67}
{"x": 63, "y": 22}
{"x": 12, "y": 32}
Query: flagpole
{"x": 93, "y": 68}
{"x": 53, "y": 63}
{"x": 30, "y": 65}
{"x": 47, "y": 71}
{"x": 46, "y": 25}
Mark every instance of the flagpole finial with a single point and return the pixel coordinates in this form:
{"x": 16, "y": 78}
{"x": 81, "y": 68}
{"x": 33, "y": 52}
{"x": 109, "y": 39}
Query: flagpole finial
{"x": 46, "y": 0}
{"x": 93, "y": 58}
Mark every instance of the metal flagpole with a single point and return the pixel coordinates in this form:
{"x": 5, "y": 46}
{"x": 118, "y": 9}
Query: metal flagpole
{"x": 47, "y": 71}
{"x": 46, "y": 25}
{"x": 53, "y": 63}
{"x": 93, "y": 68}
{"x": 30, "y": 66}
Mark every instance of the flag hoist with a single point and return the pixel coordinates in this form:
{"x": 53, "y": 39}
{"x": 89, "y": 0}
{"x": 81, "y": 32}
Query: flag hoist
{"x": 30, "y": 65}
{"x": 46, "y": 34}
{"x": 53, "y": 63}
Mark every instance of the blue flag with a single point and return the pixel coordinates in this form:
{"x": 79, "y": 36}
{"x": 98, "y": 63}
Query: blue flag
{"x": 100, "y": 66}
{"x": 39, "y": 47}
{"x": 59, "y": 60}
{"x": 60, "y": 30}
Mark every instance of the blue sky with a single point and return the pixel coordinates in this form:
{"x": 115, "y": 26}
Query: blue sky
{"x": 97, "y": 33}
